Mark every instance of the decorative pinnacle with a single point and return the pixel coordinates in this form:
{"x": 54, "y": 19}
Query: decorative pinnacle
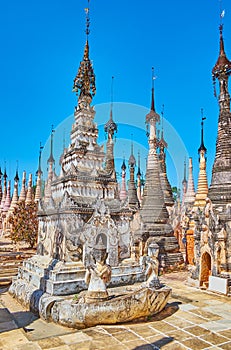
{"x": 138, "y": 171}
{"x": 202, "y": 146}
{"x": 184, "y": 179}
{"x": 152, "y": 101}
{"x": 152, "y": 115}
{"x": 223, "y": 65}
{"x": 123, "y": 166}
{"x": 222, "y": 12}
{"x": 110, "y": 127}
{"x": 5, "y": 174}
{"x": 51, "y": 158}
{"x": 16, "y": 178}
{"x": 132, "y": 160}
{"x": 84, "y": 82}
{"x": 39, "y": 171}
{"x": 87, "y": 9}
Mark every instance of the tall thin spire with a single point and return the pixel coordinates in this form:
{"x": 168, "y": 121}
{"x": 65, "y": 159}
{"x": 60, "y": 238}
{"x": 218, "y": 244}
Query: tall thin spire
{"x": 51, "y": 157}
{"x": 110, "y": 128}
{"x": 152, "y": 99}
{"x": 166, "y": 187}
{"x": 39, "y": 171}
{"x": 14, "y": 200}
{"x": 202, "y": 186}
{"x": 123, "y": 190}
{"x": 222, "y": 71}
{"x": 4, "y": 189}
{"x": 132, "y": 193}
{"x": 139, "y": 195}
{"x": 202, "y": 146}
{"x": 190, "y": 194}
{"x": 84, "y": 82}
{"x": 184, "y": 183}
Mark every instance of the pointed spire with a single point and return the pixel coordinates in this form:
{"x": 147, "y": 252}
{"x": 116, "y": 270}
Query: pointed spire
{"x": 8, "y": 198}
{"x": 166, "y": 187}
{"x": 22, "y": 196}
{"x": 202, "y": 146}
{"x": 123, "y": 190}
{"x": 4, "y": 189}
{"x": 84, "y": 82}
{"x": 132, "y": 160}
{"x": 190, "y": 194}
{"x": 16, "y": 178}
{"x": 14, "y": 200}
{"x": 110, "y": 127}
{"x": 223, "y": 63}
{"x": 202, "y": 186}
{"x": 51, "y": 173}
{"x": 39, "y": 171}
{"x": 152, "y": 100}
{"x": 184, "y": 183}
{"x": 132, "y": 193}
{"x": 139, "y": 195}
{"x": 51, "y": 158}
{"x": 222, "y": 71}
{"x": 151, "y": 119}
{"x": 162, "y": 143}
{"x": 138, "y": 171}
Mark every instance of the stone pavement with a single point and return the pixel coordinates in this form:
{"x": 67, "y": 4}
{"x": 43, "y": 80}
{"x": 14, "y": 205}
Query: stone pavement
{"x": 193, "y": 319}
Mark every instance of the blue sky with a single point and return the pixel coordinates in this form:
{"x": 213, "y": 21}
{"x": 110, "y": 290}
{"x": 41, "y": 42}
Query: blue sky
{"x": 41, "y": 47}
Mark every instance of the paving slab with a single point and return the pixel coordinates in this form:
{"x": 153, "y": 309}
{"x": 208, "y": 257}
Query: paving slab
{"x": 192, "y": 320}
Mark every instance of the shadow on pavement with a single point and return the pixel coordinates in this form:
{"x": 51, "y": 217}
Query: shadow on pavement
{"x": 156, "y": 345}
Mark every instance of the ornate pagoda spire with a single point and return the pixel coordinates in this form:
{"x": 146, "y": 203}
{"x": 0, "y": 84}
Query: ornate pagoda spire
{"x": 4, "y": 189}
{"x": 39, "y": 171}
{"x": 139, "y": 195}
{"x": 190, "y": 194}
{"x": 14, "y": 200}
{"x": 220, "y": 188}
{"x": 123, "y": 190}
{"x": 84, "y": 82}
{"x": 38, "y": 191}
{"x": 110, "y": 128}
{"x": 29, "y": 194}
{"x": 184, "y": 183}
{"x": 202, "y": 186}
{"x": 166, "y": 187}
{"x": 50, "y": 174}
{"x": 22, "y": 196}
{"x": 222, "y": 71}
{"x": 132, "y": 194}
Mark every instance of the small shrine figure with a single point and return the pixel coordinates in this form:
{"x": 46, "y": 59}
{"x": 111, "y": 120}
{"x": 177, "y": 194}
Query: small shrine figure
{"x": 152, "y": 267}
{"x": 98, "y": 274}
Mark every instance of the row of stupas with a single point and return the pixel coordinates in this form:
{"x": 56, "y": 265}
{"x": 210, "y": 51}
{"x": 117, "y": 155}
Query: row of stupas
{"x": 9, "y": 201}
{"x": 205, "y": 217}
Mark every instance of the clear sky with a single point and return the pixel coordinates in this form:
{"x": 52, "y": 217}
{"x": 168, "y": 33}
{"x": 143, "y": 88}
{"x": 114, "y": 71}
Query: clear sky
{"x": 41, "y": 47}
